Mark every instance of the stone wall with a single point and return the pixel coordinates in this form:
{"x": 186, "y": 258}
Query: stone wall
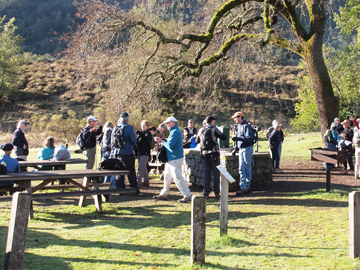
{"x": 261, "y": 169}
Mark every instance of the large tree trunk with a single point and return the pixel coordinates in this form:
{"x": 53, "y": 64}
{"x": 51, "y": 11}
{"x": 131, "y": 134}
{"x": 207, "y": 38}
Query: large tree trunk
{"x": 327, "y": 102}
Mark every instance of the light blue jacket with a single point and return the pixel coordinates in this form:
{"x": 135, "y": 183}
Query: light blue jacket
{"x": 174, "y": 145}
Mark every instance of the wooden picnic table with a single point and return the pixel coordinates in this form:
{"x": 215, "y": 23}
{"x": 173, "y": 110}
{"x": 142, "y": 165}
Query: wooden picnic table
{"x": 22, "y": 201}
{"x": 56, "y": 164}
{"x": 330, "y": 157}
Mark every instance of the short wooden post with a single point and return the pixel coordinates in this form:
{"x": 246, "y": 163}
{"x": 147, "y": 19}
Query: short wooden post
{"x": 198, "y": 230}
{"x": 354, "y": 224}
{"x": 15, "y": 246}
{"x": 225, "y": 178}
{"x": 224, "y": 197}
{"x": 328, "y": 175}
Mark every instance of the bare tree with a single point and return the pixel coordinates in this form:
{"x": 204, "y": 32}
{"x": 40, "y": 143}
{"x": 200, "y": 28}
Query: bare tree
{"x": 173, "y": 54}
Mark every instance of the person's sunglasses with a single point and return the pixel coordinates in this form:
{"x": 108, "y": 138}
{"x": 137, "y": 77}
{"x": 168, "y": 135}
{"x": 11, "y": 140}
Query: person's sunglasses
{"x": 25, "y": 124}
{"x": 238, "y": 116}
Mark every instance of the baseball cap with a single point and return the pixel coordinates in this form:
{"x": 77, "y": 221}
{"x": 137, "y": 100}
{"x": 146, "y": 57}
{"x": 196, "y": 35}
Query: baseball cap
{"x": 191, "y": 121}
{"x": 92, "y": 118}
{"x": 23, "y": 122}
{"x": 124, "y": 114}
{"x": 171, "y": 118}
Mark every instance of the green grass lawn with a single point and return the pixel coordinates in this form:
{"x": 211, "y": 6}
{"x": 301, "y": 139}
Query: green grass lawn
{"x": 267, "y": 230}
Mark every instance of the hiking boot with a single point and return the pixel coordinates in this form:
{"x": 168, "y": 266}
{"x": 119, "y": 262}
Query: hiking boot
{"x": 185, "y": 199}
{"x": 242, "y": 191}
{"x": 161, "y": 197}
{"x": 143, "y": 185}
{"x": 278, "y": 170}
{"x": 206, "y": 196}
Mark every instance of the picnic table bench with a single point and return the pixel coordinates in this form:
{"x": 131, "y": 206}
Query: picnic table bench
{"x": 22, "y": 201}
{"x": 56, "y": 164}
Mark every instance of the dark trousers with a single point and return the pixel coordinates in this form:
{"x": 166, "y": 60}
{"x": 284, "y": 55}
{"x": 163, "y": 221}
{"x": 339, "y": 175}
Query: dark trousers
{"x": 275, "y": 157}
{"x": 210, "y": 161}
{"x": 129, "y": 162}
{"x": 348, "y": 158}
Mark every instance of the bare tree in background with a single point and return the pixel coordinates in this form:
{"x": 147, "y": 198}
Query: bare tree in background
{"x": 174, "y": 55}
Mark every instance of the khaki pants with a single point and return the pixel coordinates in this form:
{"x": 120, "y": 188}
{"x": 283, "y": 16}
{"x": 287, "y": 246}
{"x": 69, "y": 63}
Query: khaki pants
{"x": 90, "y": 157}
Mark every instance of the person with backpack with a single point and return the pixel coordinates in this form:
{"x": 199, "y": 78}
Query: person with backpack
{"x": 274, "y": 141}
{"x": 331, "y": 140}
{"x": 123, "y": 140}
{"x": 173, "y": 167}
{"x": 268, "y": 134}
{"x": 143, "y": 148}
{"x": 243, "y": 140}
{"x": 190, "y": 132}
{"x": 346, "y": 144}
{"x": 210, "y": 154}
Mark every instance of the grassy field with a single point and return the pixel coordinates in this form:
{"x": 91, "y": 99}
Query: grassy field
{"x": 267, "y": 230}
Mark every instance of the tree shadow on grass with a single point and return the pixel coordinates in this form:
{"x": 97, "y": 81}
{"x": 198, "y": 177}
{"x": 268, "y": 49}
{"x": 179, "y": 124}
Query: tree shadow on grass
{"x": 37, "y": 240}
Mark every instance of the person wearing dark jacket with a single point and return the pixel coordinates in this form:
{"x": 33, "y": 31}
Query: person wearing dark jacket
{"x": 143, "y": 152}
{"x": 89, "y": 136}
{"x": 243, "y": 140}
{"x": 19, "y": 140}
{"x": 275, "y": 141}
{"x": 348, "y": 135}
{"x": 189, "y": 132}
{"x": 211, "y": 158}
{"x": 126, "y": 153}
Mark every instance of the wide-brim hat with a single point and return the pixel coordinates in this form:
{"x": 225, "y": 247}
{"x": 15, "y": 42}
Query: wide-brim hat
{"x": 237, "y": 114}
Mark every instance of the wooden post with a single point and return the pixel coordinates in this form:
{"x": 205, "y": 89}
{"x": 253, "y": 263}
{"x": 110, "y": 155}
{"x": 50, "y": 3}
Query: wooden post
{"x": 15, "y": 246}
{"x": 224, "y": 197}
{"x": 198, "y": 229}
{"x": 328, "y": 174}
{"x": 225, "y": 178}
{"x": 354, "y": 224}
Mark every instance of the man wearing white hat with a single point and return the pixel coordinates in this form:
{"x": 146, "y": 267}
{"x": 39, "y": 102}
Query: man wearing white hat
{"x": 175, "y": 155}
{"x": 19, "y": 140}
{"x": 89, "y": 136}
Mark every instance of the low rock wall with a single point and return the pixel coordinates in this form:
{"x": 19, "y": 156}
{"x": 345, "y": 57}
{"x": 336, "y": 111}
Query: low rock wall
{"x": 261, "y": 168}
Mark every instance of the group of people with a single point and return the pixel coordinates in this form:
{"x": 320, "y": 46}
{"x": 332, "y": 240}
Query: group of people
{"x": 341, "y": 136}
{"x": 139, "y": 144}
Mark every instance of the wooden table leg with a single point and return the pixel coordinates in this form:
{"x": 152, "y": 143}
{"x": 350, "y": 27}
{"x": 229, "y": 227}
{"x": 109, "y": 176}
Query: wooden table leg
{"x": 15, "y": 246}
{"x": 83, "y": 198}
{"x": 97, "y": 198}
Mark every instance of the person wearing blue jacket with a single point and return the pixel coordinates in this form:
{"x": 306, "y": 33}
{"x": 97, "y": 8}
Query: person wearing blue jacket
{"x": 243, "y": 140}
{"x": 12, "y": 164}
{"x": 126, "y": 152}
{"x": 175, "y": 155}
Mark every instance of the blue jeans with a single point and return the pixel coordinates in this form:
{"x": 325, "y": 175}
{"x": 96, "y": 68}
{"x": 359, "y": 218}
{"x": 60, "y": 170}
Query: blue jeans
{"x": 245, "y": 160}
{"x": 111, "y": 179}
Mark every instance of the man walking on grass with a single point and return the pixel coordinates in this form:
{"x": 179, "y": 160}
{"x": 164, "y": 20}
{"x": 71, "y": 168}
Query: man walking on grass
{"x": 175, "y": 155}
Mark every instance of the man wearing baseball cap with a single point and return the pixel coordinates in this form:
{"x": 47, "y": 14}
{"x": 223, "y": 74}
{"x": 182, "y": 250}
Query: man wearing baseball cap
{"x": 175, "y": 155}
{"x": 89, "y": 136}
{"x": 19, "y": 140}
{"x": 243, "y": 140}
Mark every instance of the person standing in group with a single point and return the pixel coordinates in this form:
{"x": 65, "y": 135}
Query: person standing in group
{"x": 105, "y": 144}
{"x": 274, "y": 141}
{"x": 189, "y": 132}
{"x": 19, "y": 140}
{"x": 268, "y": 134}
{"x": 243, "y": 140}
{"x": 207, "y": 138}
{"x": 356, "y": 142}
{"x": 175, "y": 156}
{"x": 348, "y": 135}
{"x": 160, "y": 132}
{"x": 143, "y": 149}
{"x": 89, "y": 137}
{"x": 126, "y": 152}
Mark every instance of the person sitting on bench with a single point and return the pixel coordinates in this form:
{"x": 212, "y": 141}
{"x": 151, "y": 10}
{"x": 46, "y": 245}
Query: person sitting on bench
{"x": 12, "y": 164}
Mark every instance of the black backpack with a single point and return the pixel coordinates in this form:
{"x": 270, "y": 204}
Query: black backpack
{"x": 161, "y": 154}
{"x": 80, "y": 141}
{"x": 112, "y": 164}
{"x": 118, "y": 137}
{"x": 206, "y": 139}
